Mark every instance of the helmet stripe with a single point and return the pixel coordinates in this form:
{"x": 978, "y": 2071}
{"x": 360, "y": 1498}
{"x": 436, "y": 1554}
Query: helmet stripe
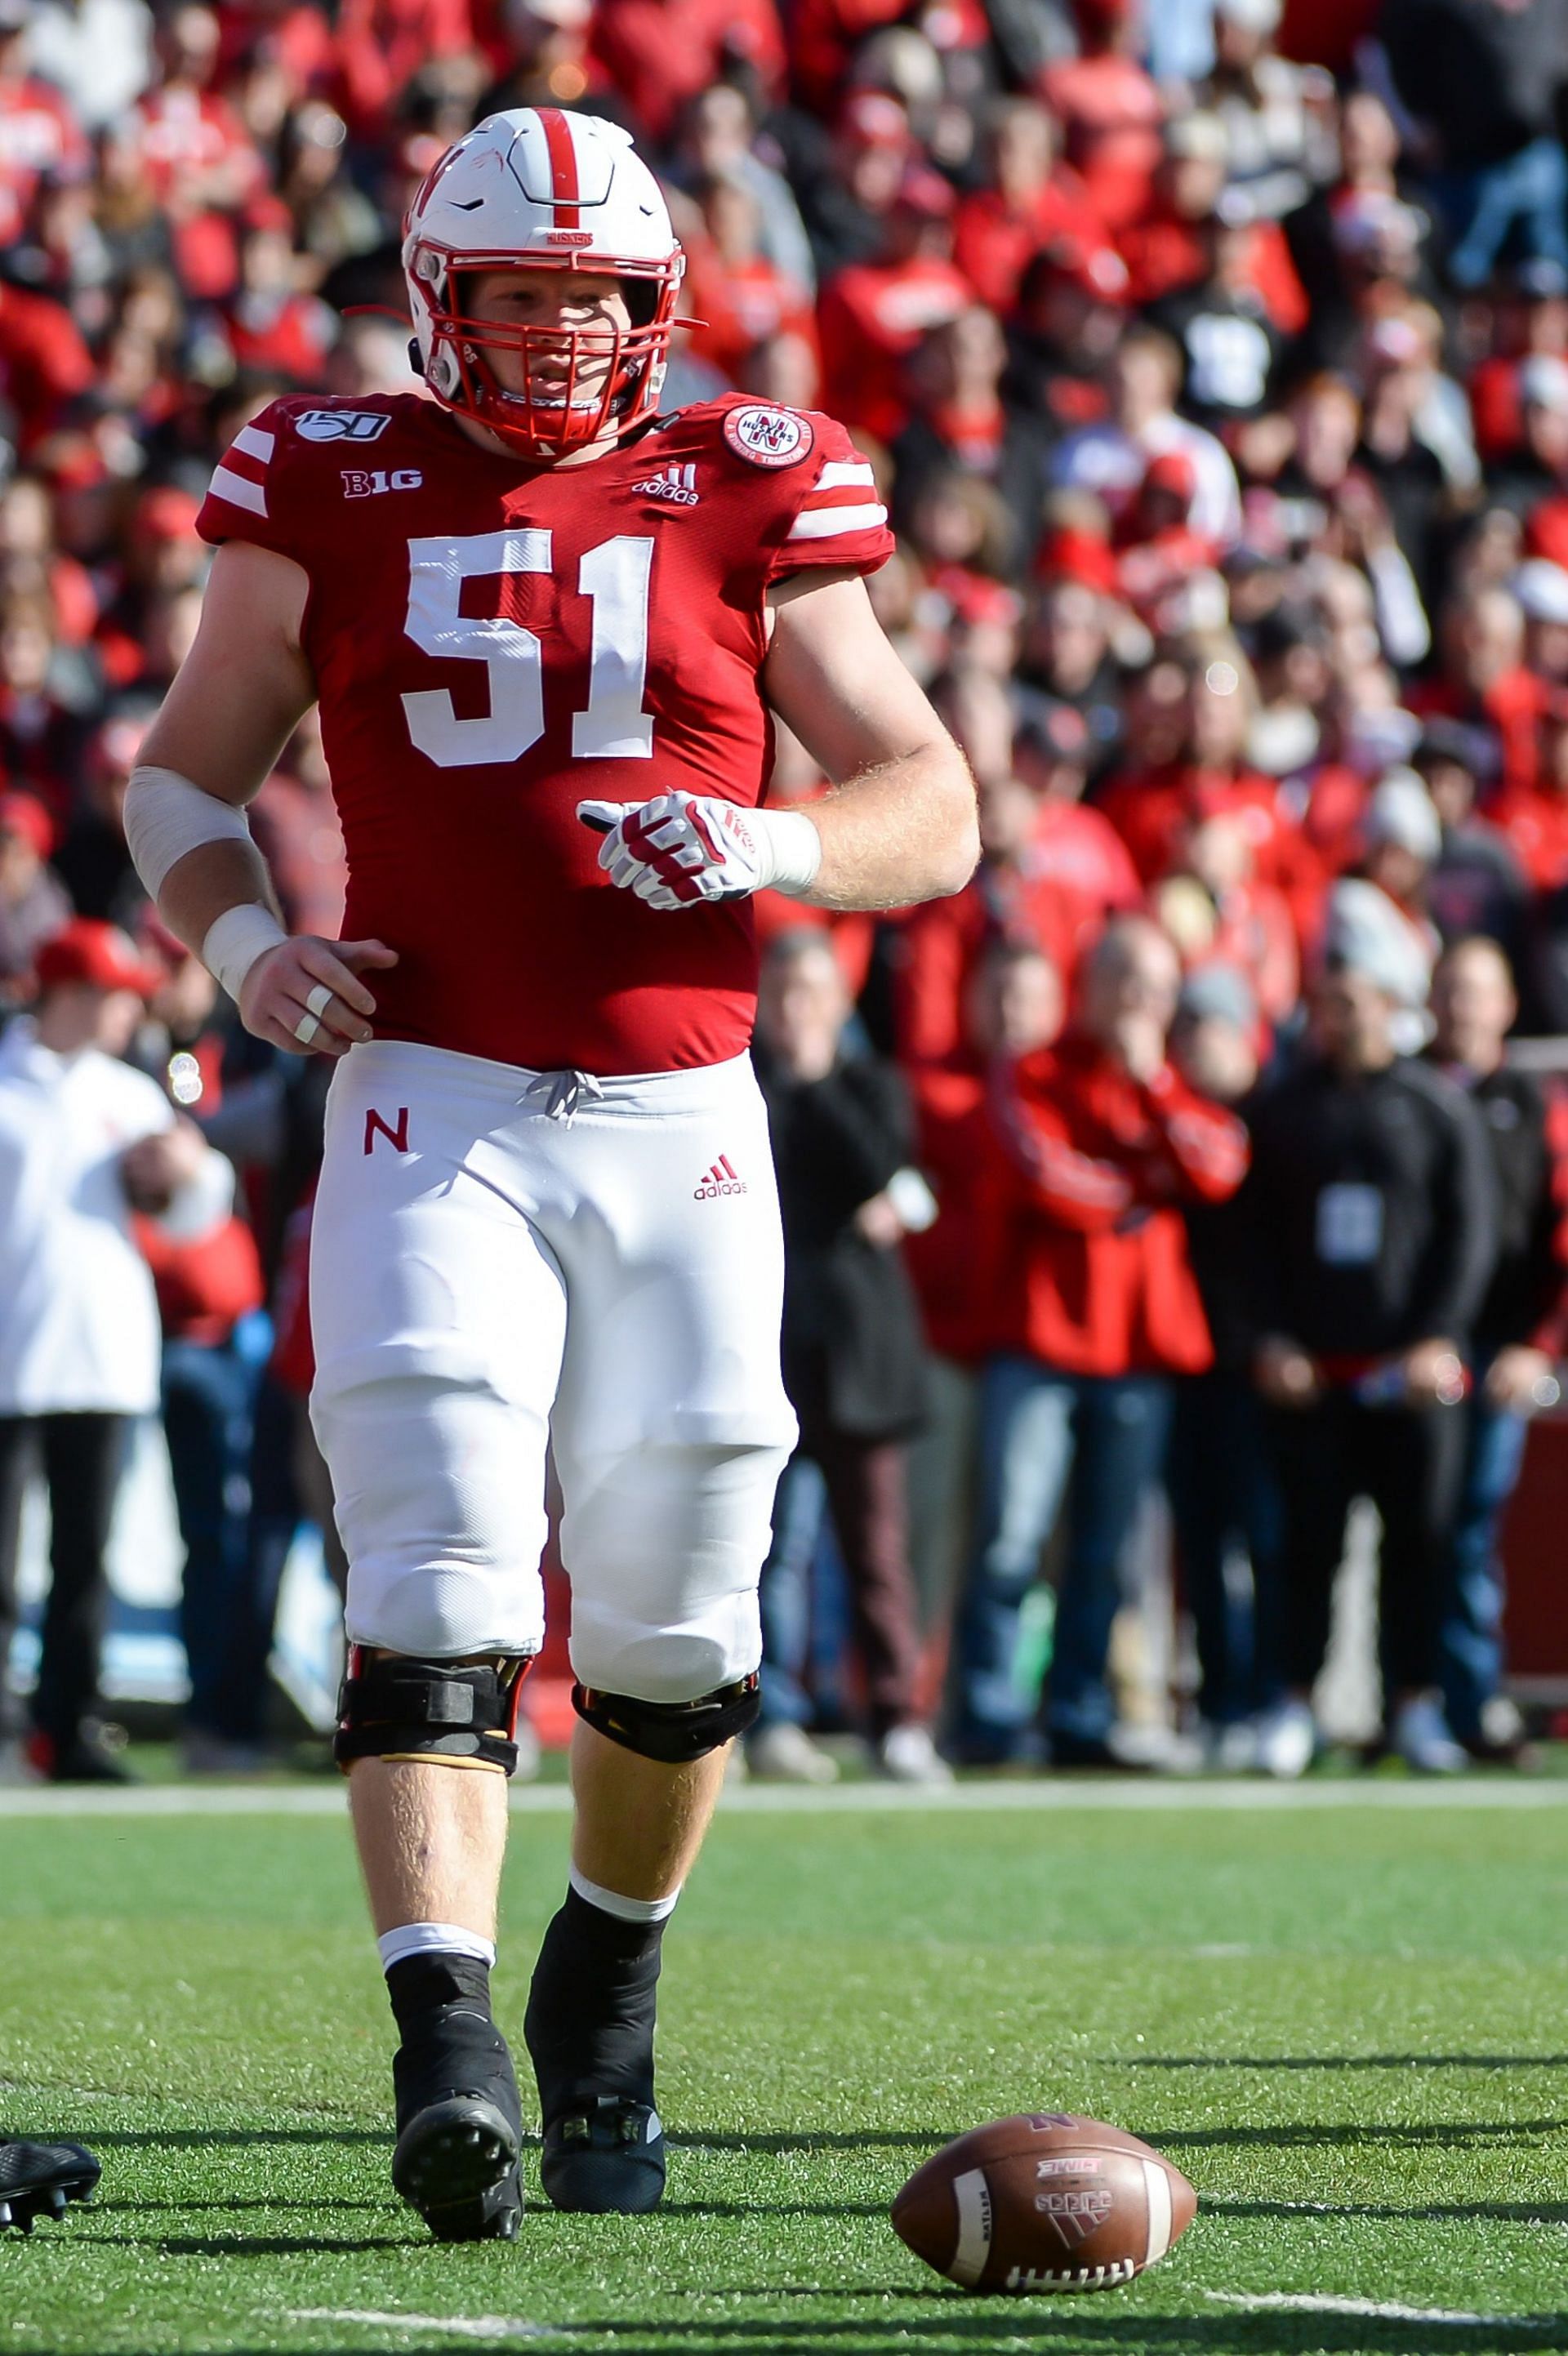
{"x": 563, "y": 165}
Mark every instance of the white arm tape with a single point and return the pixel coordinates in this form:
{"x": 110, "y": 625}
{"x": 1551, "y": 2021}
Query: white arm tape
{"x": 236, "y": 939}
{"x": 793, "y": 848}
{"x": 165, "y": 816}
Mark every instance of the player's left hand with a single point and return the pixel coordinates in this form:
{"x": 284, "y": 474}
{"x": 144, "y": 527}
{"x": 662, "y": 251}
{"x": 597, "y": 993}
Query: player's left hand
{"x": 680, "y": 851}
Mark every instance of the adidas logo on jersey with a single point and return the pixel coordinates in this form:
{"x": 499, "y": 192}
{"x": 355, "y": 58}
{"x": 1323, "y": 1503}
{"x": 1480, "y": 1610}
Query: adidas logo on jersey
{"x": 676, "y": 484}
{"x": 720, "y": 1180}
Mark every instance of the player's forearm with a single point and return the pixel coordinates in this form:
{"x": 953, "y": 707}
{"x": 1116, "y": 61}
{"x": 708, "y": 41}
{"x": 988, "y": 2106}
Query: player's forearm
{"x": 899, "y": 833}
{"x": 209, "y": 881}
{"x": 192, "y": 849}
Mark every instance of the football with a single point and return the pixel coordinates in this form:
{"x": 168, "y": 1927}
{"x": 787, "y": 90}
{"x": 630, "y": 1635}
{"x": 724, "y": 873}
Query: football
{"x": 1044, "y": 2203}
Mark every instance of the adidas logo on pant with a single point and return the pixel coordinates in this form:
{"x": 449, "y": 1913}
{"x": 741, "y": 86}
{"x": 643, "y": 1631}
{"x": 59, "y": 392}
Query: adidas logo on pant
{"x": 720, "y": 1180}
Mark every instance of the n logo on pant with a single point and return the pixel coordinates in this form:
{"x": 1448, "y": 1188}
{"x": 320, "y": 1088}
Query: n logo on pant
{"x": 397, "y": 1138}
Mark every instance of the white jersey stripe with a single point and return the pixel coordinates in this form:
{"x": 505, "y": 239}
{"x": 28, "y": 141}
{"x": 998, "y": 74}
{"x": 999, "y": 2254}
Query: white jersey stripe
{"x": 230, "y": 485}
{"x": 825, "y": 523}
{"x": 255, "y": 443}
{"x": 839, "y": 473}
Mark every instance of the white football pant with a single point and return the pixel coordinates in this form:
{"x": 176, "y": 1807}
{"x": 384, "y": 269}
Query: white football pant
{"x": 491, "y": 1278}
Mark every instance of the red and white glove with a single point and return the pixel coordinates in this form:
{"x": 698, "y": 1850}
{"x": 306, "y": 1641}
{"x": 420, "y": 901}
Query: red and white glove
{"x": 683, "y": 851}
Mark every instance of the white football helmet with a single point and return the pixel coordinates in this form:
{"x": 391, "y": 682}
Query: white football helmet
{"x": 539, "y": 188}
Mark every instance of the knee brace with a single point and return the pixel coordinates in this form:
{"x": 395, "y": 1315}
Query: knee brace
{"x": 675, "y": 1732}
{"x": 458, "y": 1713}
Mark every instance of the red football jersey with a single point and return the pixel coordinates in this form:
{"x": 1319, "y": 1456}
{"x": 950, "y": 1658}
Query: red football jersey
{"x": 494, "y": 643}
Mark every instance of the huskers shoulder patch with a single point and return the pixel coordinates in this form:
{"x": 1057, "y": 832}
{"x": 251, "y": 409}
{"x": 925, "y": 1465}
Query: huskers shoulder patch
{"x": 769, "y": 437}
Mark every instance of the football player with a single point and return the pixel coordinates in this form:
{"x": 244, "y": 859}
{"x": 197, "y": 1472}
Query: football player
{"x": 38, "y": 2180}
{"x": 546, "y": 628}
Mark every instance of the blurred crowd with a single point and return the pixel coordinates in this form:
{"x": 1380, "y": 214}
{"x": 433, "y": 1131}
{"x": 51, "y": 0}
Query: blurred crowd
{"x": 1213, "y": 360}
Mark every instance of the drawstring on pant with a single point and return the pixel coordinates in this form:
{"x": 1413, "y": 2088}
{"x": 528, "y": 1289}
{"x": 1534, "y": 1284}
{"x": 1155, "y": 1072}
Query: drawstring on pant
{"x": 563, "y": 1093}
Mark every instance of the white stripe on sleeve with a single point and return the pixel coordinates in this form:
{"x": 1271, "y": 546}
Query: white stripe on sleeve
{"x": 230, "y": 485}
{"x": 255, "y": 443}
{"x": 839, "y": 474}
{"x": 827, "y": 523}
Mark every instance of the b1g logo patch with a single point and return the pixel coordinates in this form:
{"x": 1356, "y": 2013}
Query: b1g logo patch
{"x": 359, "y": 484}
{"x": 769, "y": 437}
{"x": 341, "y": 424}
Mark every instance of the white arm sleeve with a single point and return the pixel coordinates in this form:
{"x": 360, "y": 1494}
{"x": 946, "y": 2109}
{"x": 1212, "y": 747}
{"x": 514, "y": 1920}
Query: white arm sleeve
{"x": 165, "y": 816}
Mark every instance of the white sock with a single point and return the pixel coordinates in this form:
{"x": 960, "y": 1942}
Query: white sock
{"x": 432, "y": 1939}
{"x": 625, "y": 1910}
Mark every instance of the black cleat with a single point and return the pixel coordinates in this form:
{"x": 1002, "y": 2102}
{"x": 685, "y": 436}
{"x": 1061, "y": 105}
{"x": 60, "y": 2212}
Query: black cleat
{"x": 605, "y": 2158}
{"x": 38, "y": 2180}
{"x": 590, "y": 2025}
{"x": 459, "y": 2121}
{"x": 456, "y": 2162}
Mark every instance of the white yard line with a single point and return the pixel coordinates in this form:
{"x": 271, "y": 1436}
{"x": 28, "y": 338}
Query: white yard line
{"x": 512, "y": 2327}
{"x": 180, "y": 1800}
{"x": 461, "y": 2326}
{"x": 1383, "y": 2310}
{"x": 1121, "y": 1794}
{"x": 1063, "y": 1796}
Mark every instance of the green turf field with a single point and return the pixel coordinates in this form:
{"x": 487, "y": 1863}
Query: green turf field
{"x": 1348, "y": 2024}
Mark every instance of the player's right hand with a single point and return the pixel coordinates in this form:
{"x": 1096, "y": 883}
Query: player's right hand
{"x": 304, "y": 996}
{"x": 680, "y": 851}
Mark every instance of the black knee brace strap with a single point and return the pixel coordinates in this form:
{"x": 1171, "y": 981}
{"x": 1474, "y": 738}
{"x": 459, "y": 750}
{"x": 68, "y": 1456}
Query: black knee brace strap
{"x": 673, "y": 1731}
{"x": 396, "y": 1709}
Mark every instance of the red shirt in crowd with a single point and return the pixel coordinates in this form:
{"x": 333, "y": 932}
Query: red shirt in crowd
{"x": 1100, "y": 1164}
{"x": 873, "y": 316}
{"x": 202, "y": 165}
{"x": 1535, "y": 827}
{"x": 1153, "y": 809}
{"x": 1546, "y": 530}
{"x": 203, "y": 1287}
{"x": 1076, "y": 873}
{"x": 1149, "y": 571}
{"x": 659, "y": 53}
{"x": 38, "y": 136}
{"x": 383, "y": 44}
{"x": 825, "y": 34}
{"x": 1497, "y": 410}
{"x": 289, "y": 336}
{"x": 994, "y": 242}
{"x": 293, "y": 35}
{"x": 43, "y": 362}
{"x": 959, "y": 1153}
{"x": 1110, "y": 112}
{"x": 1329, "y": 805}
{"x": 1510, "y": 708}
{"x": 742, "y": 304}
